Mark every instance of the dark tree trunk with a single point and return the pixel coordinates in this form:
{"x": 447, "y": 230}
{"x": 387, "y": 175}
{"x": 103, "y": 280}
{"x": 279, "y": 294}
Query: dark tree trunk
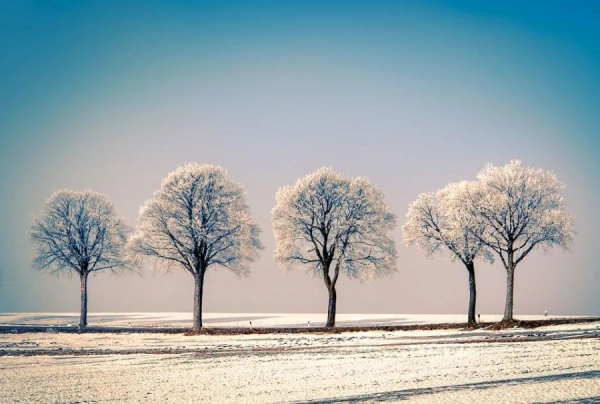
{"x": 332, "y": 306}
{"x": 199, "y": 280}
{"x": 510, "y": 281}
{"x": 83, "y": 314}
{"x": 472, "y": 294}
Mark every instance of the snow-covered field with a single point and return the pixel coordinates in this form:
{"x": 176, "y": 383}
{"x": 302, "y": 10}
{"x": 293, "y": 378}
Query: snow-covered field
{"x": 548, "y": 364}
{"x": 243, "y": 319}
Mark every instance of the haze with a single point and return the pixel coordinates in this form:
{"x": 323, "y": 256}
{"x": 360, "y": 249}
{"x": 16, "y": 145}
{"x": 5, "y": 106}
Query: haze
{"x": 413, "y": 95}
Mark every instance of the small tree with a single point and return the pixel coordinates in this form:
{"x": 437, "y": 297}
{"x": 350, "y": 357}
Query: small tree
{"x": 329, "y": 223}
{"x": 198, "y": 219}
{"x": 443, "y": 221}
{"x": 79, "y": 232}
{"x": 522, "y": 209}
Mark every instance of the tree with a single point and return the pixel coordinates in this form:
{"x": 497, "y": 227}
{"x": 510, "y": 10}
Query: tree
{"x": 79, "y": 232}
{"x": 522, "y": 209}
{"x": 443, "y": 221}
{"x": 329, "y": 223}
{"x": 198, "y": 219}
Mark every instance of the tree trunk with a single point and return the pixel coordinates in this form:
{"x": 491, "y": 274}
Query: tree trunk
{"x": 199, "y": 280}
{"x": 510, "y": 280}
{"x": 83, "y": 313}
{"x": 332, "y": 305}
{"x": 472, "y": 294}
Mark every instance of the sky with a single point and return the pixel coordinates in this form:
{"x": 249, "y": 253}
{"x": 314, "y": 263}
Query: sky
{"x": 112, "y": 96}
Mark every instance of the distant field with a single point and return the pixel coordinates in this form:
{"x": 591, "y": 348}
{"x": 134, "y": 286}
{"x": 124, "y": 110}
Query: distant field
{"x": 236, "y": 320}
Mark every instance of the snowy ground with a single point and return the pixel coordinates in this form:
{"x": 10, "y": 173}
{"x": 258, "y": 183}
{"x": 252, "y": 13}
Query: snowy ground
{"x": 243, "y": 319}
{"x": 548, "y": 364}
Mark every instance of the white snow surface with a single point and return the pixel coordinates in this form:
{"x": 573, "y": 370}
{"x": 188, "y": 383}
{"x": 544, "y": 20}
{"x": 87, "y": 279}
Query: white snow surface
{"x": 243, "y": 319}
{"x": 442, "y": 366}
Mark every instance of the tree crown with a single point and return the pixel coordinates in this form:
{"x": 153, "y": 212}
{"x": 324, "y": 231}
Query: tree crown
{"x": 328, "y": 218}
{"x": 443, "y": 221}
{"x": 522, "y": 209}
{"x": 79, "y": 231}
{"x": 198, "y": 218}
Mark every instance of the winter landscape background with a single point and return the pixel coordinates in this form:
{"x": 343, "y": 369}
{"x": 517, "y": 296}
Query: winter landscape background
{"x": 114, "y": 95}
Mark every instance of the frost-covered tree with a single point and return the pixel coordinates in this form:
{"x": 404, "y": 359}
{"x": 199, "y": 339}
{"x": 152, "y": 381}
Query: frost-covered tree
{"x": 328, "y": 223}
{"x": 522, "y": 209}
{"x": 442, "y": 221}
{"x": 196, "y": 220}
{"x": 79, "y": 232}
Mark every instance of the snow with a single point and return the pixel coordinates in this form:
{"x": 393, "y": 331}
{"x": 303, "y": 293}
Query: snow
{"x": 440, "y": 366}
{"x": 243, "y": 319}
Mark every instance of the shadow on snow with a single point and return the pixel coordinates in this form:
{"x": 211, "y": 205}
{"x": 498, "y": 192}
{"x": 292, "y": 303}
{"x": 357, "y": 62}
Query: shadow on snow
{"x": 409, "y": 393}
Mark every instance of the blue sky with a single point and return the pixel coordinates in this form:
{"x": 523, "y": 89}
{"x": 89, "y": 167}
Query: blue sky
{"x": 113, "y": 96}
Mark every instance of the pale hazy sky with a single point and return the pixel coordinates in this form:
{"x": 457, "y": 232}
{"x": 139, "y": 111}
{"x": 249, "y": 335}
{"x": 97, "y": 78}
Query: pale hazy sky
{"x": 415, "y": 94}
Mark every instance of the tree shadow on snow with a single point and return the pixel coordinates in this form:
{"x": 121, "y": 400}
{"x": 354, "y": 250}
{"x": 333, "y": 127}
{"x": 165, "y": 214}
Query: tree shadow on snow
{"x": 588, "y": 400}
{"x": 409, "y": 393}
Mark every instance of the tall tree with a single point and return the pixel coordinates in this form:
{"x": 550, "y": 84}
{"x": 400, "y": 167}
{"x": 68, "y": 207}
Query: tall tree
{"x": 329, "y": 224}
{"x": 79, "y": 232}
{"x": 443, "y": 221}
{"x": 522, "y": 209}
{"x": 198, "y": 219}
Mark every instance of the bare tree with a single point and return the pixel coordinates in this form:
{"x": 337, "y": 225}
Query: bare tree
{"x": 198, "y": 219}
{"x": 443, "y": 221}
{"x": 79, "y": 232}
{"x": 522, "y": 209}
{"x": 329, "y": 224}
